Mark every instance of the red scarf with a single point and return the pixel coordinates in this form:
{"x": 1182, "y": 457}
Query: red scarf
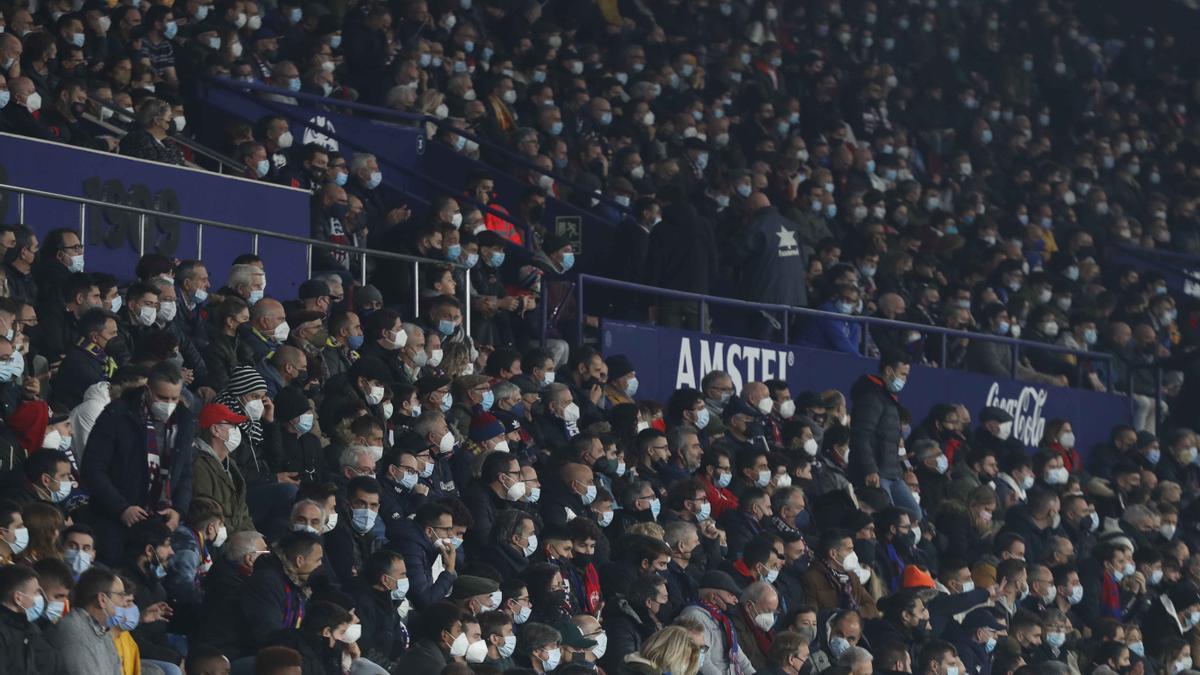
{"x": 1110, "y": 597}
{"x": 591, "y": 591}
{"x": 726, "y": 627}
{"x": 761, "y": 638}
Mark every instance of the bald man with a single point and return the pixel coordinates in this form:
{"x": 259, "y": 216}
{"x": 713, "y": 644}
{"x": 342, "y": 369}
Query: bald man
{"x": 892, "y": 306}
{"x": 573, "y": 490}
{"x": 19, "y": 113}
{"x": 772, "y": 261}
{"x": 266, "y": 330}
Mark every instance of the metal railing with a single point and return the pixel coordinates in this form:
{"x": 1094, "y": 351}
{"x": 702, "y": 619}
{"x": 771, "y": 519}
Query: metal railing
{"x": 201, "y": 223}
{"x": 415, "y": 119}
{"x": 787, "y": 312}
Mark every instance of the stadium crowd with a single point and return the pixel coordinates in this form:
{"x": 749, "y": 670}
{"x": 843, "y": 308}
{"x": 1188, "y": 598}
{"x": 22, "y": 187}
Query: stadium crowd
{"x": 199, "y": 476}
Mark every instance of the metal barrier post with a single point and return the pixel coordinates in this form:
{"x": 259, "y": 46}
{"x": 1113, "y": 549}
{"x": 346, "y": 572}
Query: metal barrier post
{"x": 579, "y": 309}
{"x": 20, "y": 208}
{"x": 1158, "y": 379}
{"x": 945, "y": 362}
{"x": 787, "y": 327}
{"x": 141, "y": 234}
{"x": 544, "y": 310}
{"x": 83, "y": 226}
{"x": 363, "y": 270}
{"x": 199, "y": 241}
{"x": 254, "y": 245}
{"x": 416, "y": 288}
{"x": 467, "y": 299}
{"x": 308, "y": 260}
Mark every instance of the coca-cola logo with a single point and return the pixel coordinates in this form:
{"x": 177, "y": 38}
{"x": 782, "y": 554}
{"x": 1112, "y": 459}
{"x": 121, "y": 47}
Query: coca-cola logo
{"x": 1026, "y": 409}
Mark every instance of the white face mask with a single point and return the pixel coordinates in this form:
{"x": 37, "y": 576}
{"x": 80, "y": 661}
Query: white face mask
{"x": 147, "y": 315}
{"x": 459, "y": 647}
{"x": 375, "y": 395}
{"x": 254, "y": 409}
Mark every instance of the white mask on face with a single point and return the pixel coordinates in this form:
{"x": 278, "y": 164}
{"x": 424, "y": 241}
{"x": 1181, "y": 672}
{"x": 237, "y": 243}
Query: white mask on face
{"x": 254, "y": 409}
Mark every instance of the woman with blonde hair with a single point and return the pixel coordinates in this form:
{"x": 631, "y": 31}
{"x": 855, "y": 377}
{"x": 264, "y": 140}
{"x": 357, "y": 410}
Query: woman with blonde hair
{"x": 670, "y": 650}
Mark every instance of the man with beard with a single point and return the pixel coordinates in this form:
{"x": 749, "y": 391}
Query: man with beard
{"x": 980, "y": 468}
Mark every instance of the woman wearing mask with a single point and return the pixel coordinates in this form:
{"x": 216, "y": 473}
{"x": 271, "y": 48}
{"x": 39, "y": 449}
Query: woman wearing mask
{"x": 148, "y": 555}
{"x": 548, "y": 593}
{"x": 1059, "y": 438}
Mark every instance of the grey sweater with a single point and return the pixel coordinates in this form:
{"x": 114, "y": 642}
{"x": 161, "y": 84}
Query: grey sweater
{"x": 85, "y": 646}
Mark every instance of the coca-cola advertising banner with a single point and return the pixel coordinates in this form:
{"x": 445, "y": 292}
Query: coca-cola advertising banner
{"x": 668, "y": 359}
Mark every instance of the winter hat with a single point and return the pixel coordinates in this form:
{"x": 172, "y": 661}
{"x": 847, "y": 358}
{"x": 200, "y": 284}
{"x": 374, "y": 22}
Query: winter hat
{"x": 290, "y": 403}
{"x": 485, "y": 427}
{"x": 244, "y": 380}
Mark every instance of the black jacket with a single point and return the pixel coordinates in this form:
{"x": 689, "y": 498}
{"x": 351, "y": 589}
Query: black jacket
{"x": 80, "y": 369}
{"x": 17, "y": 640}
{"x": 272, "y": 600}
{"x": 221, "y": 623}
{"x": 116, "y": 472}
{"x": 683, "y": 251}
{"x": 875, "y": 435}
{"x": 384, "y": 638}
{"x": 626, "y": 629}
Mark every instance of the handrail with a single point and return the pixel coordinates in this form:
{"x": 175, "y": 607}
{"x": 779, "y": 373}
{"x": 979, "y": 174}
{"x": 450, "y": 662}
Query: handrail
{"x": 421, "y": 118}
{"x": 789, "y": 310}
{"x": 189, "y": 143}
{"x": 1168, "y": 260}
{"x": 142, "y": 213}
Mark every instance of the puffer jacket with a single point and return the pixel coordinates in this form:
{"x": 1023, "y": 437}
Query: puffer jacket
{"x": 875, "y": 434}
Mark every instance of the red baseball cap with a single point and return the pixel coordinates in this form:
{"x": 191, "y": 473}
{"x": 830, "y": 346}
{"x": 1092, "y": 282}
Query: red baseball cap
{"x": 216, "y": 413}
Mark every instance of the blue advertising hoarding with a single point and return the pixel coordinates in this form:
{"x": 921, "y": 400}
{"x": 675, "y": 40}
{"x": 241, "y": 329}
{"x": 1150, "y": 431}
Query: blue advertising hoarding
{"x": 111, "y": 239}
{"x": 668, "y": 359}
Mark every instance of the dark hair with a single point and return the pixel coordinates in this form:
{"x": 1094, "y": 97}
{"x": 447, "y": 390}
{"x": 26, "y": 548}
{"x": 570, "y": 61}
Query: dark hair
{"x": 94, "y": 320}
{"x": 271, "y": 660}
{"x": 12, "y": 577}
{"x": 91, "y": 584}
{"x": 438, "y": 617}
{"x": 321, "y": 615}
{"x": 200, "y": 655}
{"x": 43, "y": 461}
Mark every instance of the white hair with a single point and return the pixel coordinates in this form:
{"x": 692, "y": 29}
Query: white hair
{"x": 360, "y": 160}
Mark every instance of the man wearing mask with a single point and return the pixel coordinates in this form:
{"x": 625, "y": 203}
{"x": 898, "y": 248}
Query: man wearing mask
{"x": 277, "y": 589}
{"x": 558, "y": 422}
{"x": 754, "y": 621}
{"x": 353, "y": 540}
{"x": 718, "y": 390}
{"x": 139, "y": 460}
{"x": 498, "y": 487}
{"x": 875, "y": 450}
{"x": 718, "y": 596}
{"x": 19, "y": 115}
{"x": 977, "y": 640}
{"x": 341, "y": 347}
{"x": 995, "y": 432}
{"x": 429, "y": 549}
{"x": 379, "y": 594}
{"x": 836, "y": 559}
{"x": 265, "y": 332}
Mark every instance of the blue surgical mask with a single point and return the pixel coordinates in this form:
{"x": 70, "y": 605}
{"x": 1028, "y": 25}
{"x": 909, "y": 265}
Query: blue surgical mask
{"x": 447, "y": 402}
{"x": 409, "y": 480}
{"x": 294, "y": 84}
{"x": 472, "y": 260}
{"x": 341, "y": 178}
{"x": 568, "y": 261}
{"x": 375, "y": 180}
{"x": 4, "y": 97}
{"x": 304, "y": 424}
{"x": 496, "y": 259}
{"x": 262, "y": 168}
{"x": 453, "y": 251}
{"x": 489, "y": 399}
{"x": 354, "y": 341}
{"x": 171, "y": 30}
{"x": 896, "y": 384}
{"x": 447, "y": 327}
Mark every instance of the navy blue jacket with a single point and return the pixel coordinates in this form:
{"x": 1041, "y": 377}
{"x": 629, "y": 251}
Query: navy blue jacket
{"x": 419, "y": 555}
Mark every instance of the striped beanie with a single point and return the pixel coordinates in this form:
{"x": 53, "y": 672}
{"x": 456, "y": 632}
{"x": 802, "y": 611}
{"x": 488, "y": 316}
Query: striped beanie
{"x": 243, "y": 380}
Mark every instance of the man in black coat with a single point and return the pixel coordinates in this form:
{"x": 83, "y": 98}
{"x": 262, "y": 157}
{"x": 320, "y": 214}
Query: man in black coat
{"x": 379, "y": 603}
{"x": 498, "y": 487}
{"x": 61, "y": 254}
{"x": 87, "y": 361}
{"x": 221, "y": 623}
{"x": 139, "y": 460}
{"x": 19, "y": 591}
{"x": 875, "y": 435}
{"x": 630, "y": 620}
{"x": 58, "y": 329}
{"x": 277, "y": 591}
{"x": 682, "y": 257}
